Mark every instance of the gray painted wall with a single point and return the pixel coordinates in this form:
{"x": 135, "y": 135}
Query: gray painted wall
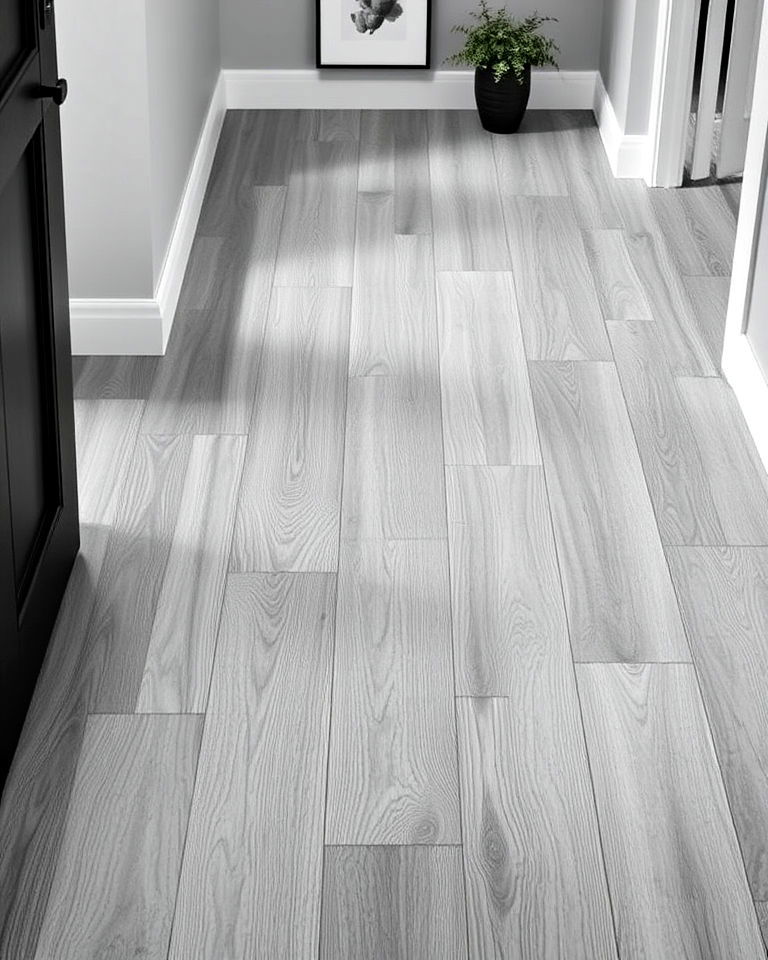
{"x": 281, "y": 33}
{"x": 183, "y": 60}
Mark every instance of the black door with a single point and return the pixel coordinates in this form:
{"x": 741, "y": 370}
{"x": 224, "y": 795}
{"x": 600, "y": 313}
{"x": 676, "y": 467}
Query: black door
{"x": 38, "y": 497}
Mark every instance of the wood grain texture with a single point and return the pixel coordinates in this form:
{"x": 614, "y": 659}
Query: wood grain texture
{"x": 113, "y": 378}
{"x": 709, "y": 296}
{"x": 376, "y": 168}
{"x": 105, "y": 434}
{"x": 736, "y": 475}
{"x": 467, "y": 221}
{"x": 392, "y": 772}
{"x": 206, "y": 381}
{"x": 724, "y": 598}
{"x": 115, "y": 885}
{"x": 177, "y": 670}
{"x": 487, "y": 408}
{"x": 536, "y": 888}
{"x": 252, "y": 874}
{"x": 508, "y": 614}
{"x": 338, "y": 125}
{"x": 591, "y": 183}
{"x": 677, "y": 481}
{"x": 393, "y": 467}
{"x": 619, "y": 598}
{"x": 37, "y": 792}
{"x": 393, "y": 902}
{"x": 618, "y": 286}
{"x": 374, "y": 239}
{"x": 762, "y": 916}
{"x": 674, "y": 869}
{"x": 699, "y": 229}
{"x": 394, "y": 324}
{"x": 559, "y": 310}
{"x": 531, "y": 164}
{"x": 288, "y": 509}
{"x": 318, "y": 230}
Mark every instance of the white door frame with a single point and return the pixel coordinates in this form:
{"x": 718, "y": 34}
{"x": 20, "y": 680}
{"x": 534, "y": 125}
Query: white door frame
{"x": 739, "y": 364}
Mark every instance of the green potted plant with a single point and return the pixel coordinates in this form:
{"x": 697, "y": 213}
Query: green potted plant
{"x": 503, "y": 49}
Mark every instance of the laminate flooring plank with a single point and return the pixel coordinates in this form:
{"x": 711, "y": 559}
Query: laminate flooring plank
{"x": 467, "y": 218}
{"x": 252, "y": 874}
{"x": 397, "y": 903}
{"x": 338, "y": 125}
{"x": 318, "y": 231}
{"x": 179, "y": 660}
{"x": 508, "y": 616}
{"x": 762, "y": 916}
{"x": 115, "y": 884}
{"x": 536, "y": 888}
{"x": 207, "y": 379}
{"x": 731, "y": 191}
{"x": 392, "y": 771}
{"x": 677, "y": 481}
{"x": 113, "y": 378}
{"x": 105, "y": 434}
{"x": 736, "y": 475}
{"x": 674, "y": 868}
{"x": 619, "y": 289}
{"x": 393, "y": 465}
{"x": 161, "y": 583}
{"x": 662, "y": 284}
{"x": 488, "y": 413}
{"x": 724, "y": 598}
{"x": 376, "y": 171}
{"x": 709, "y": 296}
{"x": 394, "y": 322}
{"x": 699, "y": 229}
{"x": 531, "y": 164}
{"x": 288, "y": 508}
{"x": 374, "y": 239}
{"x": 413, "y": 208}
{"x": 619, "y": 598}
{"x": 559, "y": 309}
{"x": 36, "y": 793}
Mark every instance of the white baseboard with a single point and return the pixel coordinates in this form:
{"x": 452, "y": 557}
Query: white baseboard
{"x": 743, "y": 372}
{"x": 432, "y": 90}
{"x": 627, "y": 153}
{"x": 135, "y": 327}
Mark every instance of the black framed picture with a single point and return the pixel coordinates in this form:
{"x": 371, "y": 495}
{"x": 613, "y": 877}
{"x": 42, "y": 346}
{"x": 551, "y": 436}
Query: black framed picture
{"x": 373, "y": 33}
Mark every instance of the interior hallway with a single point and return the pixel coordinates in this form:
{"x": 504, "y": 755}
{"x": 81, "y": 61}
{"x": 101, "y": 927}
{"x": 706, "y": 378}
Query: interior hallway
{"x": 423, "y": 594}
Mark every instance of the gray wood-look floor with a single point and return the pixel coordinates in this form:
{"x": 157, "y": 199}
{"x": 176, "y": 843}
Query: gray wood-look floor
{"x": 421, "y": 605}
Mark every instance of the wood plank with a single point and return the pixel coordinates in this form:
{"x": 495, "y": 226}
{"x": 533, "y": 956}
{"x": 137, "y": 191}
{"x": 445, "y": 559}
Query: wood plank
{"x": 559, "y": 309}
{"x": 709, "y": 296}
{"x": 487, "y": 408}
{"x": 252, "y": 873}
{"x": 37, "y": 791}
{"x": 394, "y": 322}
{"x": 619, "y": 289}
{"x": 113, "y": 378}
{"x": 468, "y": 224}
{"x": 413, "y": 209}
{"x": 105, "y": 433}
{"x": 288, "y": 509}
{"x": 161, "y": 584}
{"x": 393, "y": 902}
{"x": 531, "y": 164}
{"x": 677, "y": 481}
{"x": 698, "y": 228}
{"x": 619, "y": 598}
{"x": 762, "y": 916}
{"x": 393, "y": 466}
{"x": 177, "y": 670}
{"x": 374, "y": 239}
{"x": 674, "y": 869}
{"x": 724, "y": 597}
{"x": 207, "y": 380}
{"x": 736, "y": 474}
{"x": 535, "y": 882}
{"x": 118, "y": 869}
{"x": 376, "y": 172}
{"x": 392, "y": 771}
{"x": 338, "y": 125}
{"x": 508, "y": 614}
{"x": 318, "y": 231}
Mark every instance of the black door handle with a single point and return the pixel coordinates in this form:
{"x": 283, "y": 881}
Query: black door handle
{"x": 57, "y": 93}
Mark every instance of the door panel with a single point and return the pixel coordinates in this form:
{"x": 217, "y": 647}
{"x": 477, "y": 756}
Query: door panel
{"x": 38, "y": 504}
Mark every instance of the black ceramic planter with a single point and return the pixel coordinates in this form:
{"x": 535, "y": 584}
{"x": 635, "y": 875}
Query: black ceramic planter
{"x": 501, "y": 105}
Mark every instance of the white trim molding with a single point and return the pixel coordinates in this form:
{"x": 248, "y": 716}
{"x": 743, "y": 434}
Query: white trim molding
{"x": 627, "y": 153}
{"x": 137, "y": 327}
{"x": 435, "y": 90}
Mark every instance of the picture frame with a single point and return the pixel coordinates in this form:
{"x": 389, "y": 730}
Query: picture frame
{"x": 373, "y": 34}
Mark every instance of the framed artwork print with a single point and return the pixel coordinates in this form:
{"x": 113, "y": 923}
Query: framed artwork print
{"x": 373, "y": 33}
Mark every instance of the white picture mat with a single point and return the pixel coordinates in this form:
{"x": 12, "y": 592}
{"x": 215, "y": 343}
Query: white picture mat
{"x": 402, "y": 42}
